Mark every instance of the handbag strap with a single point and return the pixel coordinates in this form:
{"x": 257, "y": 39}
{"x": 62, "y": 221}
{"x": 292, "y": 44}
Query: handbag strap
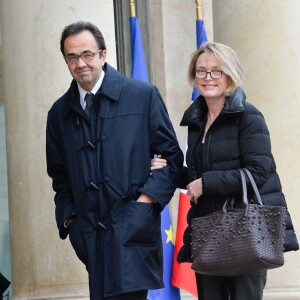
{"x": 244, "y": 187}
{"x": 229, "y": 201}
{"x": 254, "y": 186}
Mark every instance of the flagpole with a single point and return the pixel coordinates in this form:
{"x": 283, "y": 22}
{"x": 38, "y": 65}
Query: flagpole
{"x": 198, "y": 9}
{"x": 132, "y": 8}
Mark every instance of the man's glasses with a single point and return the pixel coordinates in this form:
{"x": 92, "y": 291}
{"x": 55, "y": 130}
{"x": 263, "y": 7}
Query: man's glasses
{"x": 86, "y": 56}
{"x": 213, "y": 74}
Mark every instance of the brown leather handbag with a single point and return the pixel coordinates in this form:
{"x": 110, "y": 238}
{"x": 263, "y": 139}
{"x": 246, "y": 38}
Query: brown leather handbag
{"x": 237, "y": 241}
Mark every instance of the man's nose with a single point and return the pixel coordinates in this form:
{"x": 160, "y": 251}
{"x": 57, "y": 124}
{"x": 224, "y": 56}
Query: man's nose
{"x": 81, "y": 62}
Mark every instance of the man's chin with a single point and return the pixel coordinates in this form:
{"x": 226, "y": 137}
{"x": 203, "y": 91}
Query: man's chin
{"x": 84, "y": 80}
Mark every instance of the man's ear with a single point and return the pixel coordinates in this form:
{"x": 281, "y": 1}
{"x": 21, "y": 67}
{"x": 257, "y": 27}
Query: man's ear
{"x": 103, "y": 55}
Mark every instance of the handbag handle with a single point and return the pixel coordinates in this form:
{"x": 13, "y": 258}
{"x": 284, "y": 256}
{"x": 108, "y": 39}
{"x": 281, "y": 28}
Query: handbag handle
{"x": 244, "y": 187}
{"x": 243, "y": 172}
{"x": 254, "y": 186}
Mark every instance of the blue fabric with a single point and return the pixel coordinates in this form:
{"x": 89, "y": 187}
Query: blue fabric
{"x": 139, "y": 67}
{"x": 201, "y": 38}
{"x": 169, "y": 292}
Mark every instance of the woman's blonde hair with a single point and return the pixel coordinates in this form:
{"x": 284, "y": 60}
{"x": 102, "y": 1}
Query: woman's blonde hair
{"x": 227, "y": 60}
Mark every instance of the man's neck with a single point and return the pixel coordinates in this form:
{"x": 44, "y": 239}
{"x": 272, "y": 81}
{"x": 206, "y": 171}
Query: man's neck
{"x": 93, "y": 87}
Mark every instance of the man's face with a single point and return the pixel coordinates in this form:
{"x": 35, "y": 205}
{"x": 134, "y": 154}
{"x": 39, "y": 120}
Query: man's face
{"x": 86, "y": 73}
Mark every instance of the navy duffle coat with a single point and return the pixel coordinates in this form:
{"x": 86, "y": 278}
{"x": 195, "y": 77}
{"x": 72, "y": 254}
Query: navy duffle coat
{"x": 99, "y": 167}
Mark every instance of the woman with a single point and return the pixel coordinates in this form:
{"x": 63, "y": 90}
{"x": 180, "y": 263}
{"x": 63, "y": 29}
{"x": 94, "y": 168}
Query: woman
{"x": 225, "y": 133}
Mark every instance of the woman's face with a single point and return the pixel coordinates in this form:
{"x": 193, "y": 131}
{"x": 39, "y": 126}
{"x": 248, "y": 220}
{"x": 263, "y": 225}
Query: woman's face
{"x": 209, "y": 87}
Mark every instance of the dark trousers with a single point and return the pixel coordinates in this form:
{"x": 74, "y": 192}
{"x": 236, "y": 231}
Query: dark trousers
{"x": 243, "y": 287}
{"x": 140, "y": 295}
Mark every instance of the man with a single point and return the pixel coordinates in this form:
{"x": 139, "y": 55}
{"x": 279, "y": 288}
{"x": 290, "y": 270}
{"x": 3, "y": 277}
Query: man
{"x": 98, "y": 157}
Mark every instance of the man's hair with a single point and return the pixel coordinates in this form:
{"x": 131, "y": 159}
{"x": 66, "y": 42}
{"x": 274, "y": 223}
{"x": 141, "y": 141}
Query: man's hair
{"x": 227, "y": 60}
{"x": 78, "y": 27}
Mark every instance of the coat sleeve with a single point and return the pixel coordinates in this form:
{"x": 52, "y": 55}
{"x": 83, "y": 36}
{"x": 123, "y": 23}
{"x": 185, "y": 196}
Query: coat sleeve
{"x": 183, "y": 179}
{"x": 163, "y": 182}
{"x": 56, "y": 170}
{"x": 255, "y": 153}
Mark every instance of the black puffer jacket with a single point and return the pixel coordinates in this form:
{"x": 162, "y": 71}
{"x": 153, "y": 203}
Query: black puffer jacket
{"x": 238, "y": 138}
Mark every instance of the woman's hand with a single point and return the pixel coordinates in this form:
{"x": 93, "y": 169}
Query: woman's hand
{"x": 195, "y": 190}
{"x": 158, "y": 163}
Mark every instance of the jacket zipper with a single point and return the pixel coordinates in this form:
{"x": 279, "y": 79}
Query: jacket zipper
{"x": 210, "y": 200}
{"x": 207, "y": 152}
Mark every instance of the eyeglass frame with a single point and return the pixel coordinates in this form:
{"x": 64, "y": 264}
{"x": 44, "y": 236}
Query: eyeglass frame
{"x": 210, "y": 74}
{"x": 66, "y": 57}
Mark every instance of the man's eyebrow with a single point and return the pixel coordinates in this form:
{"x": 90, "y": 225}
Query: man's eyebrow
{"x": 85, "y": 51}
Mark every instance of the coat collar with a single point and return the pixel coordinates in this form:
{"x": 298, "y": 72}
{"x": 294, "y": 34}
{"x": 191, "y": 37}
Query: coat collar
{"x": 112, "y": 83}
{"x": 234, "y": 104}
{"x": 110, "y": 87}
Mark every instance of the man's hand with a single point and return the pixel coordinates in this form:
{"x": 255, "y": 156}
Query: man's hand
{"x": 68, "y": 222}
{"x": 145, "y": 198}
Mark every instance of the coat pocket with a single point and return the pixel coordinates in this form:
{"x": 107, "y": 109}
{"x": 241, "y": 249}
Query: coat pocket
{"x": 77, "y": 242}
{"x": 141, "y": 223}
